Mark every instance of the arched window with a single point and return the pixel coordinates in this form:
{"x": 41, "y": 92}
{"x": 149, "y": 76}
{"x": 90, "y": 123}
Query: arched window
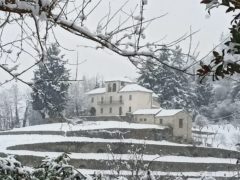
{"x": 93, "y": 111}
{"x": 110, "y": 100}
{"x": 114, "y": 87}
{"x": 120, "y": 99}
{"x": 109, "y": 88}
{"x": 129, "y": 109}
{"x": 120, "y": 111}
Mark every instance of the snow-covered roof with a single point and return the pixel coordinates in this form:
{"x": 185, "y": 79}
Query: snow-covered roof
{"x": 168, "y": 112}
{"x": 134, "y": 87}
{"x": 122, "y": 79}
{"x": 146, "y": 111}
{"x": 96, "y": 91}
{"x": 154, "y": 95}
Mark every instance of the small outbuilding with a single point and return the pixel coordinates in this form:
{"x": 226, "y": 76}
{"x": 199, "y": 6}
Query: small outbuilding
{"x": 146, "y": 115}
{"x": 178, "y": 119}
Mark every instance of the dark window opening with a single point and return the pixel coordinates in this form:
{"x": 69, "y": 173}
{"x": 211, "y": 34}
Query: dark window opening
{"x": 180, "y": 123}
{"x": 130, "y": 97}
{"x": 120, "y": 111}
{"x": 160, "y": 121}
{"x": 109, "y": 88}
{"x": 93, "y": 111}
{"x": 114, "y": 87}
{"x": 120, "y": 99}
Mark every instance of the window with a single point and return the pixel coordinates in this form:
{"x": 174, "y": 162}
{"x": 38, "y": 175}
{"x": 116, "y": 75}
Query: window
{"x": 145, "y": 119}
{"x": 101, "y": 110}
{"x": 122, "y": 83}
{"x": 130, "y": 109}
{"x": 180, "y": 123}
{"x": 101, "y": 100}
{"x": 114, "y": 87}
{"x": 110, "y": 110}
{"x": 160, "y": 121}
{"x": 141, "y": 119}
{"x": 109, "y": 88}
{"x": 120, "y": 111}
{"x": 93, "y": 111}
{"x": 92, "y": 100}
{"x": 120, "y": 99}
{"x": 110, "y": 99}
{"x": 130, "y": 97}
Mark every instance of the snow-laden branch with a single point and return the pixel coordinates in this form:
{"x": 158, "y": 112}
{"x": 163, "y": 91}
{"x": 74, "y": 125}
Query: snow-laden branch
{"x": 126, "y": 38}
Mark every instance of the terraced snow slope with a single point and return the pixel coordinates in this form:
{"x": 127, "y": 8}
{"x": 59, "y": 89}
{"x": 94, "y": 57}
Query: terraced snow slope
{"x": 180, "y": 174}
{"x": 20, "y": 139}
{"x": 89, "y": 125}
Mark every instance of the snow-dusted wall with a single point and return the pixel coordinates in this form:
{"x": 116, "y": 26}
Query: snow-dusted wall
{"x": 173, "y": 121}
{"x": 144, "y": 118}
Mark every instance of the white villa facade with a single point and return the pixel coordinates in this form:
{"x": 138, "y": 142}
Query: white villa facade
{"x": 121, "y": 97}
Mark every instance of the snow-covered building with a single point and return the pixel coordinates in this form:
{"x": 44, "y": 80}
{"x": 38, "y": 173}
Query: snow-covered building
{"x": 120, "y": 97}
{"x": 178, "y": 119}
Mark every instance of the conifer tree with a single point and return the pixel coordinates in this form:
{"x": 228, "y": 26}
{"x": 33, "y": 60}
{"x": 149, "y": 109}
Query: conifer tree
{"x": 51, "y": 84}
{"x": 172, "y": 87}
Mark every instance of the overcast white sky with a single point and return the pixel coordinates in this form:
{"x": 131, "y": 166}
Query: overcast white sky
{"x": 181, "y": 16}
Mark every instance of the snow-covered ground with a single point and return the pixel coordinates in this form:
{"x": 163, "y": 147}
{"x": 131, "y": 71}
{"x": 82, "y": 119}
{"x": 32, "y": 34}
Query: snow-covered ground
{"x": 223, "y": 136}
{"x": 108, "y": 156}
{"x": 227, "y": 135}
{"x": 89, "y": 125}
{"x": 176, "y": 174}
{"x": 11, "y": 140}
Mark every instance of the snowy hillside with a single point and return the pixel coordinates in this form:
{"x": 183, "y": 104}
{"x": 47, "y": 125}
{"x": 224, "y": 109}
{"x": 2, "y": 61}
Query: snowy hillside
{"x": 225, "y": 136}
{"x": 165, "y": 163}
{"x": 89, "y": 125}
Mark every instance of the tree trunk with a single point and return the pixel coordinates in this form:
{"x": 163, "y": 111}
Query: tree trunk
{"x": 42, "y": 114}
{"x": 77, "y": 109}
{"x": 25, "y": 116}
{"x": 17, "y": 121}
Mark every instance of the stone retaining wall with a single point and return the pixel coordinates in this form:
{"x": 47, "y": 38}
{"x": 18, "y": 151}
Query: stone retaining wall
{"x": 122, "y": 148}
{"x": 149, "y": 134}
{"x": 155, "y": 166}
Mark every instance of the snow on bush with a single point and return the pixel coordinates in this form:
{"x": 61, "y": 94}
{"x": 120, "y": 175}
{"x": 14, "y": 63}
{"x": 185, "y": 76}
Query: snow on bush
{"x": 51, "y": 168}
{"x": 58, "y": 168}
{"x": 148, "y": 176}
{"x": 11, "y": 169}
